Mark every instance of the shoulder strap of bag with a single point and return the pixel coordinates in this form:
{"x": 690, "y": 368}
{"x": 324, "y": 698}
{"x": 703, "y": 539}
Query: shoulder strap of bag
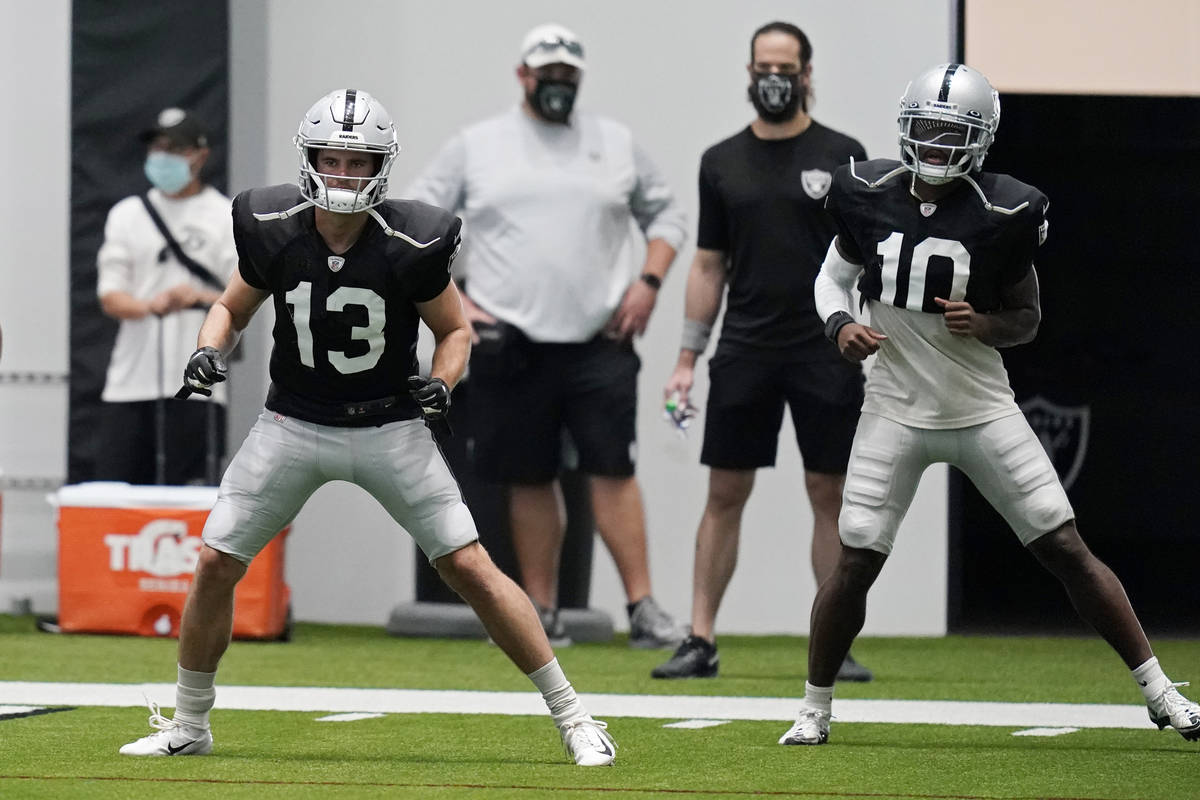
{"x": 193, "y": 266}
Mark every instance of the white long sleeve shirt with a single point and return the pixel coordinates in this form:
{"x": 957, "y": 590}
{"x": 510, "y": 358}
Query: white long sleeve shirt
{"x": 549, "y": 213}
{"x": 134, "y": 258}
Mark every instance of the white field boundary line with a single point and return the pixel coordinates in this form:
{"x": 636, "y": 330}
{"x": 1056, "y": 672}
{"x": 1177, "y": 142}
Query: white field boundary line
{"x": 425, "y": 701}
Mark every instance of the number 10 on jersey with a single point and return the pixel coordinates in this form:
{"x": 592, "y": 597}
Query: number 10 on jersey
{"x": 918, "y": 273}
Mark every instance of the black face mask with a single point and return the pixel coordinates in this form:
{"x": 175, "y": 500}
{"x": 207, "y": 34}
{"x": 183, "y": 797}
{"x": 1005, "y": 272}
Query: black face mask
{"x": 776, "y": 97}
{"x": 553, "y": 100}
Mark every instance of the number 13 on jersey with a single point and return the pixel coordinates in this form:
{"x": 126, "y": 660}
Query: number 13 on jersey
{"x": 300, "y": 299}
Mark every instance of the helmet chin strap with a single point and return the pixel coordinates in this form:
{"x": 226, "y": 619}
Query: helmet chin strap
{"x": 987, "y": 203}
{"x": 934, "y": 180}
{"x": 335, "y": 196}
{"x": 291, "y": 212}
{"x": 390, "y": 231}
{"x": 912, "y": 189}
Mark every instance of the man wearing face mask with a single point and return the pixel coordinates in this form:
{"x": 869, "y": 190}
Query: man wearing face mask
{"x": 763, "y": 233}
{"x": 548, "y": 194}
{"x": 159, "y": 288}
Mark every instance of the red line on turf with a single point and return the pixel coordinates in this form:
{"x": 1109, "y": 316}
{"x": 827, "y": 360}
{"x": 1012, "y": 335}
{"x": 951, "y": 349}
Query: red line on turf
{"x": 608, "y": 789}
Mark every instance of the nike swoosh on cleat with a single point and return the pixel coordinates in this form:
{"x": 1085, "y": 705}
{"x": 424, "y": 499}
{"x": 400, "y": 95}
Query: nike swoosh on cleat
{"x": 174, "y": 750}
{"x": 1143, "y": 683}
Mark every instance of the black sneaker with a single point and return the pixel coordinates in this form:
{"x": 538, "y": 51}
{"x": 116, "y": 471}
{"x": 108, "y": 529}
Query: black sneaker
{"x": 695, "y": 658}
{"x": 853, "y": 672}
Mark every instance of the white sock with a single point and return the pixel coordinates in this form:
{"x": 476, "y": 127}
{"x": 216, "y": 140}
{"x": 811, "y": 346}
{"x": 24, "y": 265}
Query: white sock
{"x": 1150, "y": 678}
{"x": 558, "y": 693}
{"x": 820, "y": 697}
{"x": 194, "y": 697}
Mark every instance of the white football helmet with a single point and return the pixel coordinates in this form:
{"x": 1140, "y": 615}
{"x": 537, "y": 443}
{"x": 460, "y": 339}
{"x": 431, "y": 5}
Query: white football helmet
{"x": 953, "y": 110}
{"x": 347, "y": 119}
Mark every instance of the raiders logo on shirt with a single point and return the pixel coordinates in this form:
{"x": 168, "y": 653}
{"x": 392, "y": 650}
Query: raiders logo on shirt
{"x": 816, "y": 182}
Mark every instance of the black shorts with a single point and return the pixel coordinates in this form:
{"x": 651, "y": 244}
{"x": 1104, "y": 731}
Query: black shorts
{"x": 128, "y": 449}
{"x": 745, "y": 410}
{"x": 588, "y": 390}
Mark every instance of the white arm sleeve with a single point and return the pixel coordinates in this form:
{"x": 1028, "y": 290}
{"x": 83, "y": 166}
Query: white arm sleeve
{"x": 834, "y": 282}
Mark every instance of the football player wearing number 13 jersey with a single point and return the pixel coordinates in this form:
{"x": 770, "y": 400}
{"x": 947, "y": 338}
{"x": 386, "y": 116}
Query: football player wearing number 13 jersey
{"x": 943, "y": 257}
{"x": 351, "y": 274}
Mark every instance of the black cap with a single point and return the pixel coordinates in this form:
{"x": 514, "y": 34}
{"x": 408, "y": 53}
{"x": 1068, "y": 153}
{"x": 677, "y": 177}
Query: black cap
{"x": 181, "y": 127}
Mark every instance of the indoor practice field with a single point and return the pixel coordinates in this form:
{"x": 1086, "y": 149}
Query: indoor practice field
{"x": 465, "y": 723}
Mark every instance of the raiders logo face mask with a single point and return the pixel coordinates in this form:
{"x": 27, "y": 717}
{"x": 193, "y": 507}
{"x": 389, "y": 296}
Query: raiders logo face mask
{"x": 553, "y": 100}
{"x": 776, "y": 97}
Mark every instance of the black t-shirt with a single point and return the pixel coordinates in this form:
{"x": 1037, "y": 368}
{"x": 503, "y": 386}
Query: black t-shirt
{"x": 913, "y": 252}
{"x": 761, "y": 202}
{"x": 345, "y": 326}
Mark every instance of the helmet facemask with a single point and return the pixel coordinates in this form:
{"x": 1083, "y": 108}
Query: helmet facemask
{"x": 940, "y": 148}
{"x": 366, "y": 192}
{"x": 353, "y": 121}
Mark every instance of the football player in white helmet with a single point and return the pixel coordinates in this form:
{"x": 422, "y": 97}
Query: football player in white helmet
{"x": 346, "y": 402}
{"x": 943, "y": 255}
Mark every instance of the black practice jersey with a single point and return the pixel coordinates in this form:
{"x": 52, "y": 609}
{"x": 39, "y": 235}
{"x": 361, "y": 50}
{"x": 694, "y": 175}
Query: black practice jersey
{"x": 761, "y": 204}
{"x": 345, "y": 325}
{"x": 956, "y": 248}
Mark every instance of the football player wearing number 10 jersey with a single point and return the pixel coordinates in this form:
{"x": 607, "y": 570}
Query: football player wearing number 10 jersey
{"x": 351, "y": 273}
{"x": 943, "y": 255}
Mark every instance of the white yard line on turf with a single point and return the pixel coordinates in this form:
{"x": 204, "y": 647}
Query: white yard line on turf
{"x": 415, "y": 701}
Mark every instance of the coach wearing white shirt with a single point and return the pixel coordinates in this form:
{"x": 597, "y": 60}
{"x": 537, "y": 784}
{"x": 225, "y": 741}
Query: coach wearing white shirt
{"x": 547, "y": 194}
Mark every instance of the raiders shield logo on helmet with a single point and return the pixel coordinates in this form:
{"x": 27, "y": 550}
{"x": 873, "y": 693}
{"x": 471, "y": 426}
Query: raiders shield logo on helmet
{"x": 336, "y": 263}
{"x": 1063, "y": 432}
{"x": 816, "y": 182}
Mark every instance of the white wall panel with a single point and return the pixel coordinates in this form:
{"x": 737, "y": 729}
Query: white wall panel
{"x": 34, "y": 228}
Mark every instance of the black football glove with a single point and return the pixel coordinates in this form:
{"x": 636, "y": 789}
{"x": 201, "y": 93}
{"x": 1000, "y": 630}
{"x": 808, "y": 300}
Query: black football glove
{"x": 204, "y": 368}
{"x": 432, "y": 395}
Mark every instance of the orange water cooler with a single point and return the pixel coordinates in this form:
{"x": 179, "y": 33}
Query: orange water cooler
{"x": 126, "y": 556}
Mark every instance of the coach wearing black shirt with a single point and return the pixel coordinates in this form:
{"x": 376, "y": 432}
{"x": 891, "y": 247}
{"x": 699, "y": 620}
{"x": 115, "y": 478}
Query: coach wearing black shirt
{"x": 763, "y": 232}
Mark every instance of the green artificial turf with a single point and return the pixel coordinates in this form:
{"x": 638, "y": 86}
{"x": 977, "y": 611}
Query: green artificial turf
{"x": 1015, "y": 669}
{"x": 288, "y": 754}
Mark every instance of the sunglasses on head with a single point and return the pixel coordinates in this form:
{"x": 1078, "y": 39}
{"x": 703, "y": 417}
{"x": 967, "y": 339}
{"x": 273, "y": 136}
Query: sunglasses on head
{"x": 570, "y": 45}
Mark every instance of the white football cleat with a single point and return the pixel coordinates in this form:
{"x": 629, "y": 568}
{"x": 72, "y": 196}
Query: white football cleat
{"x": 1172, "y": 708}
{"x": 588, "y": 743}
{"x": 170, "y": 739}
{"x": 811, "y": 727}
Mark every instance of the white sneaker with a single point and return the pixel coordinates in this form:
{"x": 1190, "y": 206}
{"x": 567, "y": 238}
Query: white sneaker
{"x": 1172, "y": 708}
{"x": 587, "y": 741}
{"x": 170, "y": 739}
{"x": 811, "y": 727}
